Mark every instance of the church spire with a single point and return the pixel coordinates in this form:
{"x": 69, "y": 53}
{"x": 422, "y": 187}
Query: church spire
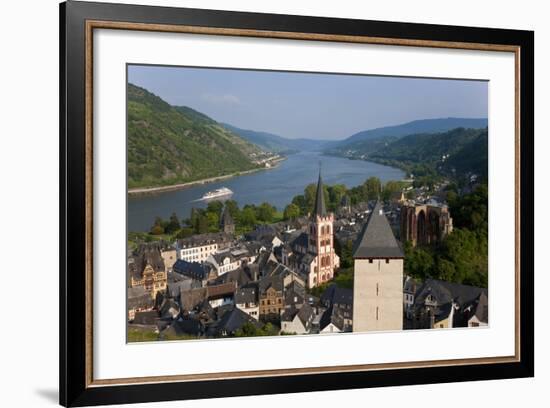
{"x": 320, "y": 209}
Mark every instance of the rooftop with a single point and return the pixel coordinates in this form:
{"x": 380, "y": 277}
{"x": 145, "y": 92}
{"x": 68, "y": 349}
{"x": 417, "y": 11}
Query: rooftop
{"x": 376, "y": 240}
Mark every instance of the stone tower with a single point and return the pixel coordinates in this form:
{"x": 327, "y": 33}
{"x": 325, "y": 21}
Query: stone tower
{"x": 226, "y": 223}
{"x": 321, "y": 241}
{"x": 378, "y": 277}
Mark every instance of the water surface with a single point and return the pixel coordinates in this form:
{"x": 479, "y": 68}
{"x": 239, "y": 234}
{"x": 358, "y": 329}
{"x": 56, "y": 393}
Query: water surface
{"x": 276, "y": 186}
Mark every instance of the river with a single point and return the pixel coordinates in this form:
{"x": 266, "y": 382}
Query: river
{"x": 276, "y": 186}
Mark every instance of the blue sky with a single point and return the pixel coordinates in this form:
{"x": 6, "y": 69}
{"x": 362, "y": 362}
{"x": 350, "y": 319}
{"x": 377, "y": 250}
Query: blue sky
{"x": 319, "y": 106}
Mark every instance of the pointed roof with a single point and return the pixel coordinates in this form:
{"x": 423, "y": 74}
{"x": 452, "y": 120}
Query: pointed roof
{"x": 376, "y": 239}
{"x": 320, "y": 208}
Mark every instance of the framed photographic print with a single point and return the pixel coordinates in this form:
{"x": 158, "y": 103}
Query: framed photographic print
{"x": 256, "y": 203}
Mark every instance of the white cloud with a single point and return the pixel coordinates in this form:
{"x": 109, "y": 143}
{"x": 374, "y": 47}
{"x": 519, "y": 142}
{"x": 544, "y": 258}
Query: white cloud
{"x": 221, "y": 99}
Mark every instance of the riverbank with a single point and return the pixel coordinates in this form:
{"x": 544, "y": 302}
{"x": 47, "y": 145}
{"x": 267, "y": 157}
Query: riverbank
{"x": 180, "y": 186}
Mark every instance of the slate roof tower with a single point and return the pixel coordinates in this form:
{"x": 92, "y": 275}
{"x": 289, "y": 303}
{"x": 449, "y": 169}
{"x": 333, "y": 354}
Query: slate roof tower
{"x": 378, "y": 276}
{"x": 320, "y": 209}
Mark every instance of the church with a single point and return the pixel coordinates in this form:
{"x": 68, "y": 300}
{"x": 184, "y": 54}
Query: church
{"x": 312, "y": 253}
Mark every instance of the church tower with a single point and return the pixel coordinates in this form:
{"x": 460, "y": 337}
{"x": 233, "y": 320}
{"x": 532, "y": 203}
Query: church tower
{"x": 321, "y": 241}
{"x": 226, "y": 223}
{"x": 378, "y": 277}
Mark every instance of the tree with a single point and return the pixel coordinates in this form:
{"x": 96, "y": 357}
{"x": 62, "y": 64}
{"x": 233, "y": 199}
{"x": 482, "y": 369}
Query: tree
{"x": 419, "y": 262}
{"x": 346, "y": 255}
{"x": 201, "y": 224}
{"x": 373, "y": 187}
{"x": 300, "y": 202}
{"x": 248, "y": 216}
{"x": 247, "y": 330}
{"x": 194, "y": 217}
{"x": 184, "y": 233}
{"x": 173, "y": 224}
{"x": 215, "y": 207}
{"x": 251, "y": 330}
{"x": 233, "y": 208}
{"x": 467, "y": 252}
{"x": 158, "y": 226}
{"x": 336, "y": 193}
{"x": 292, "y": 211}
{"x": 309, "y": 196}
{"x": 265, "y": 212}
{"x": 390, "y": 188}
{"x": 213, "y": 221}
{"x": 471, "y": 210}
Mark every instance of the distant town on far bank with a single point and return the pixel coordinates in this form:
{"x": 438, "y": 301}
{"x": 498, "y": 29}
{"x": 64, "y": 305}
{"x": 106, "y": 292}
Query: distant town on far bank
{"x": 241, "y": 233}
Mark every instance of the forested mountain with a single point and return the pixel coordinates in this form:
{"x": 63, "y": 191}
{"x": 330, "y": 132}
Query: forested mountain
{"x": 474, "y": 157}
{"x": 458, "y": 151}
{"x": 364, "y": 142}
{"x": 276, "y": 143}
{"x": 267, "y": 141}
{"x": 175, "y": 144}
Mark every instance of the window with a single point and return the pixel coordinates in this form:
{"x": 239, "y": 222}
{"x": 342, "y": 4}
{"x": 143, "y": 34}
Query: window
{"x": 377, "y": 289}
{"x": 370, "y": 260}
{"x": 377, "y": 313}
{"x": 387, "y": 261}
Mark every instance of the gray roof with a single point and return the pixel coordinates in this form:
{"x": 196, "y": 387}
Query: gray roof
{"x": 478, "y": 307}
{"x": 304, "y": 313}
{"x": 331, "y": 315}
{"x": 193, "y": 270}
{"x": 274, "y": 281}
{"x": 246, "y": 295}
{"x": 204, "y": 239}
{"x": 336, "y": 295}
{"x": 320, "y": 208}
{"x": 168, "y": 308}
{"x": 409, "y": 285}
{"x": 301, "y": 240}
{"x": 377, "y": 239}
{"x": 445, "y": 292}
{"x": 262, "y": 233}
{"x": 241, "y": 276}
{"x": 175, "y": 287}
{"x": 185, "y": 326}
{"x": 232, "y": 321}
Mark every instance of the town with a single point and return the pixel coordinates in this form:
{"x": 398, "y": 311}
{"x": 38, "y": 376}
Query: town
{"x": 288, "y": 277}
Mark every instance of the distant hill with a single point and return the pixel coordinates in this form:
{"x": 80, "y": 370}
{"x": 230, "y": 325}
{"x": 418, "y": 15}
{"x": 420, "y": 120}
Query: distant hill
{"x": 458, "y": 151}
{"x": 363, "y": 142}
{"x": 276, "y": 143}
{"x": 176, "y": 144}
{"x": 265, "y": 140}
{"x": 473, "y": 157}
